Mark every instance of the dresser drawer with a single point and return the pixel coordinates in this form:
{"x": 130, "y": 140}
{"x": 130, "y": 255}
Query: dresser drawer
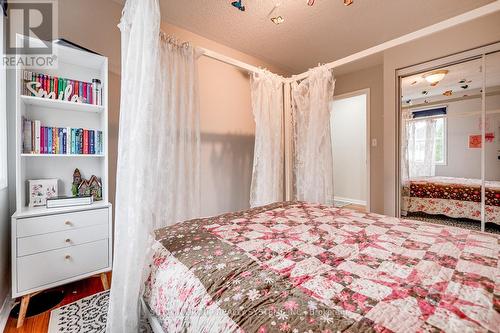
{"x": 61, "y": 239}
{"x": 60, "y": 222}
{"x": 49, "y": 267}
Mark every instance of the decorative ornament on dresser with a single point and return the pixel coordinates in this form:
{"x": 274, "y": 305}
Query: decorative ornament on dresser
{"x": 83, "y": 187}
{"x": 40, "y": 190}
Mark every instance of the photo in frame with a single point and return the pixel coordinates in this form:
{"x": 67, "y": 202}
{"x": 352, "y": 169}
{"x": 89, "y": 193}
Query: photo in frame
{"x": 40, "y": 190}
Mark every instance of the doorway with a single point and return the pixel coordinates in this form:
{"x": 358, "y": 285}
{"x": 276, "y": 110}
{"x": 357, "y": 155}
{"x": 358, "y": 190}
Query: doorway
{"x": 349, "y": 119}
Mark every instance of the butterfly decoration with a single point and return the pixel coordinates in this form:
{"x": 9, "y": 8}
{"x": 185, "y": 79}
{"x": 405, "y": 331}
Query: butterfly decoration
{"x": 310, "y": 2}
{"x": 448, "y": 93}
{"x": 239, "y": 5}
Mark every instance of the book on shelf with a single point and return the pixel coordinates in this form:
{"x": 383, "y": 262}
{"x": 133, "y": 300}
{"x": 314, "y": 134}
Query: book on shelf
{"x": 56, "y": 88}
{"x": 39, "y": 139}
{"x": 69, "y": 201}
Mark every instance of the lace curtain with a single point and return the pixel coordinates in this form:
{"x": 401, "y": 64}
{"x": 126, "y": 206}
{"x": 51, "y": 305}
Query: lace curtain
{"x": 418, "y": 147}
{"x": 313, "y": 160}
{"x": 158, "y": 151}
{"x": 267, "y": 106}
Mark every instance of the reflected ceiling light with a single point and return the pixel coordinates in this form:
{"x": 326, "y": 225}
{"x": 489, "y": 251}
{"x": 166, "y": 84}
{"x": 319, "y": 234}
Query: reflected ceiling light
{"x": 435, "y": 76}
{"x": 277, "y": 20}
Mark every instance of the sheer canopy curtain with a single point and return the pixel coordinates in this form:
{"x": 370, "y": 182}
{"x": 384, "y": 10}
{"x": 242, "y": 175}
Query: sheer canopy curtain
{"x": 418, "y": 146}
{"x": 158, "y": 151}
{"x": 313, "y": 160}
{"x": 267, "y": 106}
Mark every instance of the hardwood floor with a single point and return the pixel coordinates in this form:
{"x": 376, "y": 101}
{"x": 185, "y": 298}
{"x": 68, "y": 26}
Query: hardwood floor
{"x": 359, "y": 208}
{"x": 74, "y": 291}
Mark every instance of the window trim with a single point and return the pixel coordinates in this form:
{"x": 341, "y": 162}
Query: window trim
{"x": 445, "y": 142}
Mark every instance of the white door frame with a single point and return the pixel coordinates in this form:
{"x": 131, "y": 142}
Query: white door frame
{"x": 366, "y": 92}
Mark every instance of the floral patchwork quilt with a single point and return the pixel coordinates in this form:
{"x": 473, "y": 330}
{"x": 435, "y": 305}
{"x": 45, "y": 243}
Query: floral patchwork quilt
{"x": 300, "y": 267}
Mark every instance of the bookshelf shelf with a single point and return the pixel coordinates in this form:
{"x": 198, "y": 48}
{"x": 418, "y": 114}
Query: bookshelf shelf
{"x": 63, "y": 155}
{"x": 60, "y": 105}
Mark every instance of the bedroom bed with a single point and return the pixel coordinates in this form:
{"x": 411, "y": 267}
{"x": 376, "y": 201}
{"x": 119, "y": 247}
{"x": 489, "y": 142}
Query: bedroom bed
{"x": 298, "y": 267}
{"x": 452, "y": 197}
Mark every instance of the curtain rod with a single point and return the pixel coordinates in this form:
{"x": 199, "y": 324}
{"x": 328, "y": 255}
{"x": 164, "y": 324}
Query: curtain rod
{"x": 228, "y": 60}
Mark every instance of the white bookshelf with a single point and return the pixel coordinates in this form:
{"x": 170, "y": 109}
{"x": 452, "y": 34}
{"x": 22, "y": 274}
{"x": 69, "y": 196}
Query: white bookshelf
{"x": 52, "y": 247}
{"x": 76, "y": 65}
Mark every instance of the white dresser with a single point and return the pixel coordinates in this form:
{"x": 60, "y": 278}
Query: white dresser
{"x": 50, "y": 250}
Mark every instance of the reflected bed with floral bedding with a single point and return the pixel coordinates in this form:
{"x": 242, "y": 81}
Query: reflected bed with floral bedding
{"x": 452, "y": 197}
{"x": 298, "y": 267}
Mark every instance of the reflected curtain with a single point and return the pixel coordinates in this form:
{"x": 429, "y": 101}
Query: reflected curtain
{"x": 267, "y": 108}
{"x": 158, "y": 151}
{"x": 313, "y": 156}
{"x": 420, "y": 154}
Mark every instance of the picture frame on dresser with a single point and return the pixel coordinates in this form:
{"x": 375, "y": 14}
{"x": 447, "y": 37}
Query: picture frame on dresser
{"x": 55, "y": 246}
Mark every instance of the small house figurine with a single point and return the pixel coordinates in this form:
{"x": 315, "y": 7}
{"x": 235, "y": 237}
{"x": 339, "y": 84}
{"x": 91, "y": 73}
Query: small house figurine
{"x": 92, "y": 187}
{"x": 82, "y": 187}
{"x": 77, "y": 179}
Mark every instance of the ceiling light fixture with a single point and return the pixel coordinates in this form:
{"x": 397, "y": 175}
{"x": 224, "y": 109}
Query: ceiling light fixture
{"x": 435, "y": 76}
{"x": 277, "y": 20}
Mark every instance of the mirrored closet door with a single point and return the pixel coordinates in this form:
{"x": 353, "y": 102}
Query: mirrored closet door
{"x": 492, "y": 137}
{"x": 449, "y": 147}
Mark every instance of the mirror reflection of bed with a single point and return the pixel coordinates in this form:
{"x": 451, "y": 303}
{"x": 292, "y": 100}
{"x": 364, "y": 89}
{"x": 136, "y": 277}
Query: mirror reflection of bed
{"x": 443, "y": 161}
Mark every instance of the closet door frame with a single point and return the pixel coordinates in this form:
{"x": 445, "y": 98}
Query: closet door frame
{"x": 473, "y": 54}
{"x": 361, "y": 92}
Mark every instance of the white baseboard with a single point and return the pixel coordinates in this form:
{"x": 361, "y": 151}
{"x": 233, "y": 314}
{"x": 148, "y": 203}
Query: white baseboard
{"x": 7, "y": 304}
{"x": 353, "y": 201}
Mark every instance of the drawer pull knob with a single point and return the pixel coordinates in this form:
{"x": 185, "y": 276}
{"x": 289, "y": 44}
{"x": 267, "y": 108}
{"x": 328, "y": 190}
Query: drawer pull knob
{"x": 68, "y": 240}
{"x": 67, "y": 257}
{"x": 67, "y": 222}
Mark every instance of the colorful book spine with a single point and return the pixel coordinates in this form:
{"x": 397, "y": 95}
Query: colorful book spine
{"x": 37, "y": 137}
{"x": 91, "y": 142}
{"x": 42, "y": 142}
{"x": 49, "y": 141}
{"x": 56, "y": 87}
{"x": 78, "y": 140}
{"x": 64, "y": 143}
{"x": 85, "y": 141}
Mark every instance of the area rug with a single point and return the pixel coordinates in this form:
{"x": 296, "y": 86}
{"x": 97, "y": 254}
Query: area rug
{"x": 87, "y": 315}
{"x": 445, "y": 220}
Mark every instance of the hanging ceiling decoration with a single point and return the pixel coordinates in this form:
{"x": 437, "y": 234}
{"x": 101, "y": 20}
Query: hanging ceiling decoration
{"x": 278, "y": 19}
{"x": 238, "y": 5}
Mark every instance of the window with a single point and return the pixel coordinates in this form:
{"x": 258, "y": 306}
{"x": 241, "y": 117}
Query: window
{"x": 438, "y": 115}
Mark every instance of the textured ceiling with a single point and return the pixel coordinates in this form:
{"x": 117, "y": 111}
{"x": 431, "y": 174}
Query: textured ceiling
{"x": 462, "y": 80}
{"x": 322, "y": 33}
